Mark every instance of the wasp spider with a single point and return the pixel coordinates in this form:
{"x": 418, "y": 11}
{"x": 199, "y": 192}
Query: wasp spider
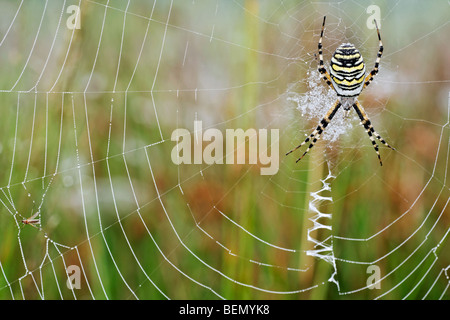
{"x": 348, "y": 78}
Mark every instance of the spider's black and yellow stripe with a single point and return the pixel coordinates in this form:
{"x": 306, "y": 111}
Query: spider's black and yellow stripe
{"x": 347, "y": 77}
{"x": 347, "y": 70}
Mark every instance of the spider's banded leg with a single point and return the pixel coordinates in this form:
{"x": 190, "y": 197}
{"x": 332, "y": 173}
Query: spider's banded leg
{"x": 315, "y": 135}
{"x": 364, "y": 118}
{"x": 321, "y": 127}
{"x": 325, "y": 76}
{"x": 365, "y": 121}
{"x": 374, "y": 71}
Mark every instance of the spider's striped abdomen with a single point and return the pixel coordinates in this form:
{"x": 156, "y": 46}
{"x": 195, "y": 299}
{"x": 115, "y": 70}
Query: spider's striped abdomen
{"x": 347, "y": 70}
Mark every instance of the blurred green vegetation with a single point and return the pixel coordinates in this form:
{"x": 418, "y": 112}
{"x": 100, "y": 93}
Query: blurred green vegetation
{"x": 85, "y": 137}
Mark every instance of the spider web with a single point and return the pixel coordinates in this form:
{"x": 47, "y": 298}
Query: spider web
{"x": 87, "y": 119}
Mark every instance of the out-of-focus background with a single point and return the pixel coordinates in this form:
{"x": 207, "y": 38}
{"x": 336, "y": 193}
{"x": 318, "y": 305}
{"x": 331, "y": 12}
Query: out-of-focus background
{"x": 92, "y": 92}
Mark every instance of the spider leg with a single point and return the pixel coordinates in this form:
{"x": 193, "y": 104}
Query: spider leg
{"x": 322, "y": 70}
{"x": 315, "y": 135}
{"x": 374, "y": 71}
{"x": 365, "y": 122}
